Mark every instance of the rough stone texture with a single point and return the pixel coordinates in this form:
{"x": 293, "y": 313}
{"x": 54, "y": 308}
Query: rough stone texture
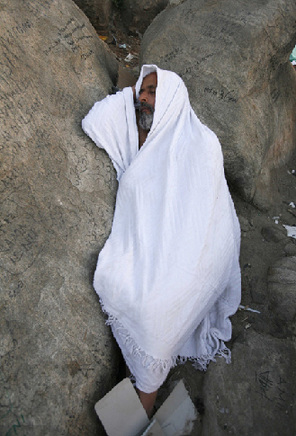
{"x": 98, "y": 12}
{"x": 57, "y": 198}
{"x": 290, "y": 249}
{"x": 234, "y": 59}
{"x": 273, "y": 234}
{"x": 282, "y": 289}
{"x": 175, "y": 2}
{"x": 256, "y": 393}
{"x": 138, "y": 14}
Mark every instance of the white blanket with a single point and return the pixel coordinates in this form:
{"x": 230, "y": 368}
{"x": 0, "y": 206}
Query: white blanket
{"x": 168, "y": 275}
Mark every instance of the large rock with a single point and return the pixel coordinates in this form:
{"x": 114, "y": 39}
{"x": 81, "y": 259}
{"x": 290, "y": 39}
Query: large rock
{"x": 234, "y": 59}
{"x": 57, "y": 197}
{"x": 255, "y": 395}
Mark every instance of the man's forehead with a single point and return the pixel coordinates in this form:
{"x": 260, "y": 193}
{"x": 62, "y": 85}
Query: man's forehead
{"x": 150, "y": 81}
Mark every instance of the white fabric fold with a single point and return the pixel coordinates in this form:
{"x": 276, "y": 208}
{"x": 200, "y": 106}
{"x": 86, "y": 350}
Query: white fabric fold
{"x": 168, "y": 275}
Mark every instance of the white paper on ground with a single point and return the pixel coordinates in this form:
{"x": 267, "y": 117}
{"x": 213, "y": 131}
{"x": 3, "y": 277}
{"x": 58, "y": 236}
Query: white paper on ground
{"x": 177, "y": 414}
{"x": 121, "y": 411}
{"x": 291, "y": 231}
{"x": 153, "y": 429}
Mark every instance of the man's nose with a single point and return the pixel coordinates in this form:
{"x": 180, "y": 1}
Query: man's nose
{"x": 143, "y": 97}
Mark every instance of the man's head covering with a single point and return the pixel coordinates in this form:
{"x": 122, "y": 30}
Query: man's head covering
{"x": 172, "y": 104}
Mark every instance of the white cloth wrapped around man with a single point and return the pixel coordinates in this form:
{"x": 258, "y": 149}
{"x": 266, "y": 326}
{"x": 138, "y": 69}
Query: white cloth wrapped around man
{"x": 168, "y": 276}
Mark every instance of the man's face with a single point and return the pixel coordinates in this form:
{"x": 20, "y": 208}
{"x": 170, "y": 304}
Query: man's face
{"x": 148, "y": 88}
{"x": 147, "y": 101}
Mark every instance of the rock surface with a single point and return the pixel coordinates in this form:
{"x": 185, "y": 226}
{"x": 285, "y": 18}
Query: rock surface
{"x": 258, "y": 384}
{"x": 57, "y": 198}
{"x": 234, "y": 59}
{"x": 282, "y": 290}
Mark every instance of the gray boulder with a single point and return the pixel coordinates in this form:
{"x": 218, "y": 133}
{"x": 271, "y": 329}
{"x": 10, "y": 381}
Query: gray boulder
{"x": 234, "y": 59}
{"x": 255, "y": 394}
{"x": 57, "y": 198}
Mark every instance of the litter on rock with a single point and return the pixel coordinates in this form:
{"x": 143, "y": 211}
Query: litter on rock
{"x": 122, "y": 413}
{"x": 122, "y": 45}
{"x": 248, "y": 309}
{"x": 292, "y": 204}
{"x": 129, "y": 58}
{"x": 291, "y": 231}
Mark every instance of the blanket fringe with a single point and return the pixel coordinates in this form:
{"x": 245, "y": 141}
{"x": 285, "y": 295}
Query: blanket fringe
{"x": 201, "y": 363}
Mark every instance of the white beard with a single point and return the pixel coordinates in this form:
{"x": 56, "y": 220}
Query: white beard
{"x": 145, "y": 120}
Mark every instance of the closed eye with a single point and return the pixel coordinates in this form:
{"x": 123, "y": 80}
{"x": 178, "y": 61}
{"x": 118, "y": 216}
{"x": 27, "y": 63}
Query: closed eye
{"x": 151, "y": 90}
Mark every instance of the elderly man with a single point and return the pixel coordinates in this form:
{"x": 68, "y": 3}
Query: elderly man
{"x": 168, "y": 276}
